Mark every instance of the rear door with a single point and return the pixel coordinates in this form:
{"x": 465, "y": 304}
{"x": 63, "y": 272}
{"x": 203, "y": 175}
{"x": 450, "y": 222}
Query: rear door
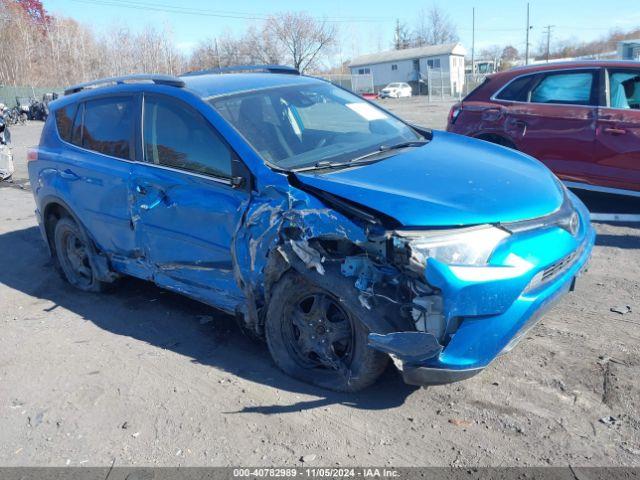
{"x": 185, "y": 208}
{"x": 617, "y": 162}
{"x": 556, "y": 122}
{"x": 94, "y": 164}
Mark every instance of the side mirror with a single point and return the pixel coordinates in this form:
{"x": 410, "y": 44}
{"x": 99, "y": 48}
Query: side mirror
{"x": 237, "y": 182}
{"x": 241, "y": 177}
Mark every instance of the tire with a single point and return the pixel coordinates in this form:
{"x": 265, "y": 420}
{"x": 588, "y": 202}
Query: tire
{"x": 316, "y": 338}
{"x": 74, "y": 256}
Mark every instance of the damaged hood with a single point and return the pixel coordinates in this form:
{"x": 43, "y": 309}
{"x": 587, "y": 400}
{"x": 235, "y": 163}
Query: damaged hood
{"x": 453, "y": 180}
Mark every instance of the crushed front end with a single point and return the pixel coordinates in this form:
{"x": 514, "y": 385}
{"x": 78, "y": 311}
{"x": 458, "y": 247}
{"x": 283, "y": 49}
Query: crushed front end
{"x": 477, "y": 291}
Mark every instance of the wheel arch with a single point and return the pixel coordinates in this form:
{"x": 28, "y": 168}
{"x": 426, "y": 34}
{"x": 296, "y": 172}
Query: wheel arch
{"x": 497, "y": 138}
{"x": 54, "y": 208}
{"x": 284, "y": 258}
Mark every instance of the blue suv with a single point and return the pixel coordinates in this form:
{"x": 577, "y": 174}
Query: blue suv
{"x": 331, "y": 228}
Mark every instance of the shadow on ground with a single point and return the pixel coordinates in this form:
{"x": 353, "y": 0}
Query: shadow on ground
{"x": 142, "y": 311}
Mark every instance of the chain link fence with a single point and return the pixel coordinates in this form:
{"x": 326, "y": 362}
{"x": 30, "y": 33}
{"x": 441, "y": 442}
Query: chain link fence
{"x": 8, "y": 94}
{"x": 435, "y": 84}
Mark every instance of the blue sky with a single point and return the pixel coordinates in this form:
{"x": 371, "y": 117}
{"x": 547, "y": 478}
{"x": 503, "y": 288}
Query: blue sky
{"x": 364, "y": 26}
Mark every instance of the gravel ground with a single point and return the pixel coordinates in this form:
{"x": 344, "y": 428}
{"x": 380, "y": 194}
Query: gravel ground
{"x": 141, "y": 376}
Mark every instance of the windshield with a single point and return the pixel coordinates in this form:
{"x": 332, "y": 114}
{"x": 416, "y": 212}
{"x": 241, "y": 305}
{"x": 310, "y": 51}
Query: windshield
{"x": 299, "y": 126}
{"x": 394, "y": 85}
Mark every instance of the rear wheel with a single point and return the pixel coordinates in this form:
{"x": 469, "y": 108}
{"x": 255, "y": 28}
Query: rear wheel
{"x": 315, "y": 337}
{"x": 73, "y": 253}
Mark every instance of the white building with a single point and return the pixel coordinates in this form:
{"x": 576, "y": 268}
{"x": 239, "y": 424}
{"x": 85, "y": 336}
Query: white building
{"x": 629, "y": 49}
{"x": 442, "y": 64}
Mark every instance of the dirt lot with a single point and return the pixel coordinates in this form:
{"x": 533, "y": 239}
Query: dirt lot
{"x": 145, "y": 377}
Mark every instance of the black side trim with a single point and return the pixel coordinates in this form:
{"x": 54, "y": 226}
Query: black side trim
{"x": 424, "y": 376}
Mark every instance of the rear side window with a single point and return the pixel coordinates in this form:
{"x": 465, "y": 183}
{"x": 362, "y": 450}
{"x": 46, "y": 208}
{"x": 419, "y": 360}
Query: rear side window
{"x": 624, "y": 89}
{"x": 177, "y": 136}
{"x": 517, "y": 90}
{"x": 106, "y": 126}
{"x": 64, "y": 121}
{"x": 567, "y": 88}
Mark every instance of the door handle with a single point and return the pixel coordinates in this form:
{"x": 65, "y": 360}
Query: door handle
{"x": 148, "y": 206}
{"x": 614, "y": 131}
{"x": 68, "y": 174}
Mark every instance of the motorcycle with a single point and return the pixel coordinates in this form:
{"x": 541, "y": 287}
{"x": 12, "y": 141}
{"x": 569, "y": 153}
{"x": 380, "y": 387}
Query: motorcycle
{"x": 6, "y": 156}
{"x": 38, "y": 110}
{"x": 15, "y": 116}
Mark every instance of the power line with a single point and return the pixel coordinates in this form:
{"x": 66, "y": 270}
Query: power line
{"x": 166, "y": 8}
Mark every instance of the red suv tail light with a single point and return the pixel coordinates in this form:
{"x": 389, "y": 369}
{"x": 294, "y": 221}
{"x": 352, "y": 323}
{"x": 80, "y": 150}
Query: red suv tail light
{"x": 32, "y": 154}
{"x": 454, "y": 113}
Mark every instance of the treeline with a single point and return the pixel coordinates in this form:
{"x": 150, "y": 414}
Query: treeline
{"x": 40, "y": 49}
{"x": 431, "y": 27}
{"x": 43, "y": 50}
{"x": 574, "y": 48}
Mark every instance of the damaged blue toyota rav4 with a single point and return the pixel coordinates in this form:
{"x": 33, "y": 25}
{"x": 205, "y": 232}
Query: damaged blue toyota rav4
{"x": 329, "y": 227}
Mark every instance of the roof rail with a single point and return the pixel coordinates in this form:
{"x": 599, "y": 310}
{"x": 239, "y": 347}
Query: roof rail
{"x": 137, "y": 78}
{"x": 247, "y": 68}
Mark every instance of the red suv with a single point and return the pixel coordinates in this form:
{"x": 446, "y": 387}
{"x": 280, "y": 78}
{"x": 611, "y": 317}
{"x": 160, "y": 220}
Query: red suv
{"x": 582, "y": 119}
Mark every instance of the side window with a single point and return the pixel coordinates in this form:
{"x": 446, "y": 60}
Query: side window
{"x": 624, "y": 89}
{"x": 517, "y": 90}
{"x": 179, "y": 137}
{"x": 64, "y": 121}
{"x": 107, "y": 126}
{"x": 566, "y": 88}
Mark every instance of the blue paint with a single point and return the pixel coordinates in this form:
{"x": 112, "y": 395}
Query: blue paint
{"x": 210, "y": 240}
{"x": 450, "y": 181}
{"x": 495, "y": 310}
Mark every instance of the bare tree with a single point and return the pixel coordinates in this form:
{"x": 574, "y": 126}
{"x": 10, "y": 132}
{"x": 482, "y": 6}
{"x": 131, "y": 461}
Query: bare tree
{"x": 263, "y": 46}
{"x": 303, "y": 38}
{"x": 401, "y": 37}
{"x": 434, "y": 27}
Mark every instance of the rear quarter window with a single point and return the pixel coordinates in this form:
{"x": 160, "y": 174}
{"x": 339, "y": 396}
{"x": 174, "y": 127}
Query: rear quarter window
{"x": 64, "y": 121}
{"x": 517, "y": 90}
{"x": 107, "y": 126}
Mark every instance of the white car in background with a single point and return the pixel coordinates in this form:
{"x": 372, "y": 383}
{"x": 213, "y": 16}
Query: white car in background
{"x": 396, "y": 90}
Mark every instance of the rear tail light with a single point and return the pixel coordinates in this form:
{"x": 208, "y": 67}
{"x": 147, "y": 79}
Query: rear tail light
{"x": 454, "y": 113}
{"x": 32, "y": 154}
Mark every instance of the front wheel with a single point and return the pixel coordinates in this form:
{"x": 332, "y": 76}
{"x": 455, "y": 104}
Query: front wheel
{"x": 313, "y": 336}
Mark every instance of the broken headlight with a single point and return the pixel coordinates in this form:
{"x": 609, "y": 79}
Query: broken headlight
{"x": 464, "y": 246}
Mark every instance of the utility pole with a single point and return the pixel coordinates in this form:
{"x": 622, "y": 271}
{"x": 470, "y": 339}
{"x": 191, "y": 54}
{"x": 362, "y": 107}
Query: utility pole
{"x": 215, "y": 43}
{"x": 526, "y": 50}
{"x": 397, "y": 39}
{"x": 473, "y": 42}
{"x": 548, "y": 27}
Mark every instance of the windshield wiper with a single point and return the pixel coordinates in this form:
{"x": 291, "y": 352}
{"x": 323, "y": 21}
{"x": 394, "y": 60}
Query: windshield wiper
{"x": 362, "y": 158}
{"x": 323, "y": 165}
{"x": 386, "y": 148}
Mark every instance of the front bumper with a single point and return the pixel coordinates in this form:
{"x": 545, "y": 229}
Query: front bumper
{"x": 497, "y": 308}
